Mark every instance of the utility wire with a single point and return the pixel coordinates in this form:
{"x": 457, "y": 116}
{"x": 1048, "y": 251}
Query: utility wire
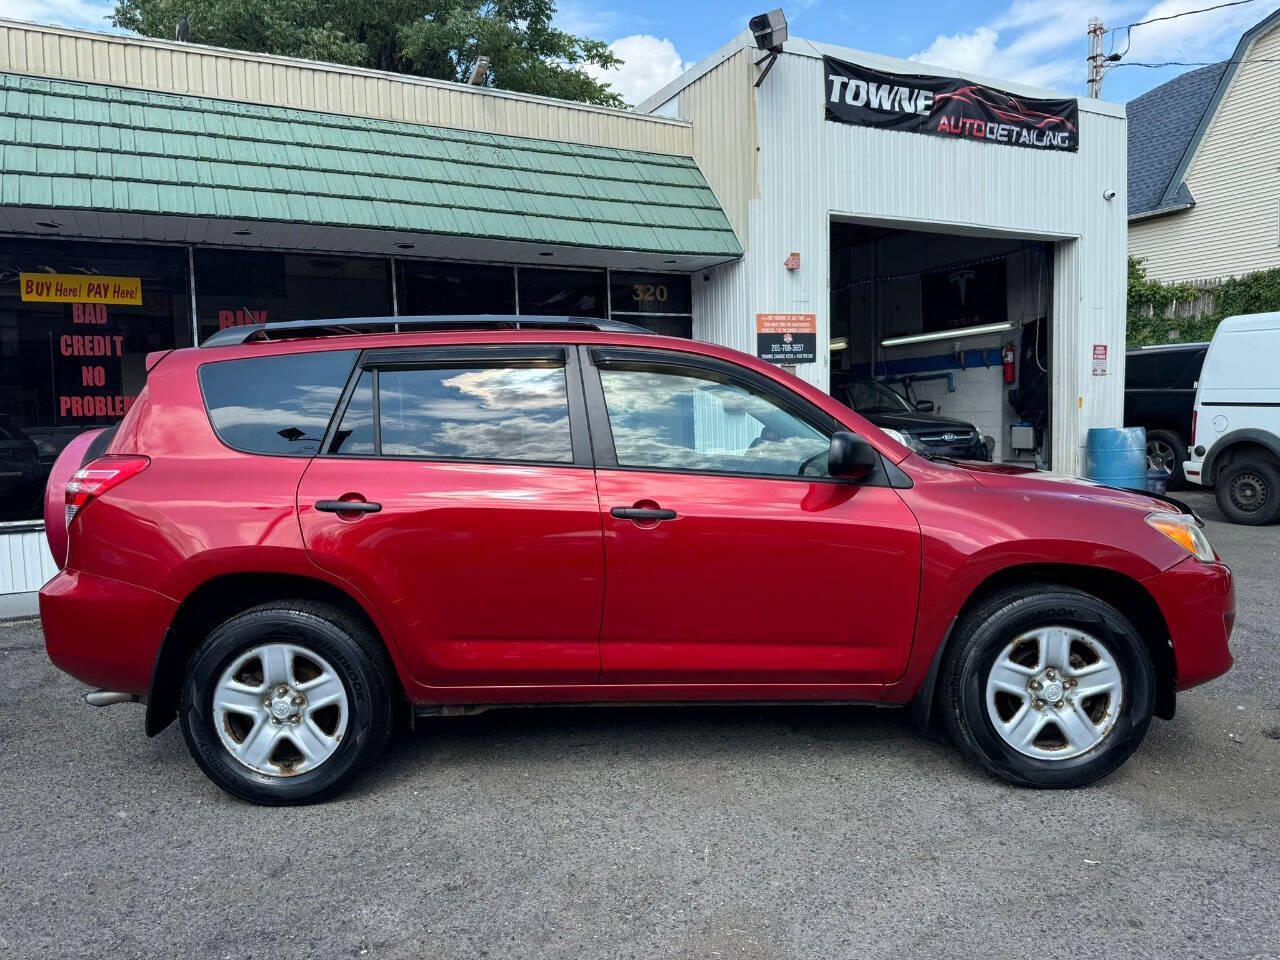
{"x": 1128, "y": 28}
{"x": 1189, "y": 63}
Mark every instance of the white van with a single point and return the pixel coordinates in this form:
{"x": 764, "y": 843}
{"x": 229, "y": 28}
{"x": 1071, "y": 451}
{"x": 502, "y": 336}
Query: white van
{"x": 1235, "y": 444}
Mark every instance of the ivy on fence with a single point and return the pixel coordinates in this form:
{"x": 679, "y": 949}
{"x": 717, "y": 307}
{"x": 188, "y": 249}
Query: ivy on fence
{"x": 1187, "y": 312}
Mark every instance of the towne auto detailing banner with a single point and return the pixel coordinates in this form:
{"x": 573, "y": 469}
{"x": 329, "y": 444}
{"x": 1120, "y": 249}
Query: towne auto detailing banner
{"x": 948, "y": 107}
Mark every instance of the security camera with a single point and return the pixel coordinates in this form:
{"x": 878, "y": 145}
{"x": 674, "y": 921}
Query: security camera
{"x": 1108, "y": 194}
{"x": 770, "y": 30}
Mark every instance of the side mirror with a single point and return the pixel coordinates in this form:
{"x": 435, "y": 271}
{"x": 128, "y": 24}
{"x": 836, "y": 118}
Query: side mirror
{"x": 924, "y": 406}
{"x": 851, "y": 457}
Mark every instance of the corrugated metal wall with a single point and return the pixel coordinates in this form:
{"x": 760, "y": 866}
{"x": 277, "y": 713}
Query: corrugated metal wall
{"x": 1233, "y": 227}
{"x": 25, "y": 561}
{"x": 723, "y": 113}
{"x": 810, "y": 170}
{"x": 228, "y": 74}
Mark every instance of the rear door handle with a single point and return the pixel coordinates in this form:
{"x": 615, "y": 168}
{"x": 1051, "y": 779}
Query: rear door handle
{"x": 347, "y": 506}
{"x": 641, "y": 513}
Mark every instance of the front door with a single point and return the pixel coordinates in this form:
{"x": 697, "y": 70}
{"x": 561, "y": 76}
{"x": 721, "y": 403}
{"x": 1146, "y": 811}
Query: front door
{"x": 458, "y": 496}
{"x": 730, "y": 556}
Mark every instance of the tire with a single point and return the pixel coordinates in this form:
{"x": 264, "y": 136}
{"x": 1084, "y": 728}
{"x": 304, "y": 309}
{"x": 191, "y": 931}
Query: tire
{"x": 331, "y": 664}
{"x": 1166, "y": 451}
{"x": 977, "y": 661}
{"x": 1248, "y": 491}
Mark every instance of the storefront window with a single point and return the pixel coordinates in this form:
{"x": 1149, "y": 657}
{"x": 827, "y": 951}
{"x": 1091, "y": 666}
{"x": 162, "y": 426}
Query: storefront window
{"x": 435, "y": 287}
{"x": 76, "y": 323}
{"x": 661, "y": 302}
{"x": 563, "y": 293}
{"x": 235, "y": 287}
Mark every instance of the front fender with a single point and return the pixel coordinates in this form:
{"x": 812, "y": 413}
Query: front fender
{"x": 972, "y": 533}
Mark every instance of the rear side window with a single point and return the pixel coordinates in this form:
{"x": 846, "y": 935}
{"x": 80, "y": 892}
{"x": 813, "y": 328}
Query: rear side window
{"x": 501, "y": 412}
{"x": 1191, "y": 372}
{"x": 1153, "y": 370}
{"x": 278, "y": 405}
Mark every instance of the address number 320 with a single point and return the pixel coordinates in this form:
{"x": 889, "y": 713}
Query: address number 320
{"x": 649, "y": 292}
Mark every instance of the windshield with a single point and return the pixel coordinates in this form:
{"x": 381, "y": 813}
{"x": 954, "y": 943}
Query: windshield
{"x": 872, "y": 396}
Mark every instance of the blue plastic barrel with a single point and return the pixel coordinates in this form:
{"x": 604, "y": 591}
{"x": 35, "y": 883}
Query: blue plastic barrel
{"x": 1117, "y": 456}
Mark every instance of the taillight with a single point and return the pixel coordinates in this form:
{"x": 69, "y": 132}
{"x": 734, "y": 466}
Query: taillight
{"x": 98, "y": 476}
{"x": 1195, "y": 418}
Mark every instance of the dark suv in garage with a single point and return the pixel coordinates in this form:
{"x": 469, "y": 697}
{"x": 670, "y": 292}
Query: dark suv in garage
{"x": 918, "y": 426}
{"x": 1159, "y": 394}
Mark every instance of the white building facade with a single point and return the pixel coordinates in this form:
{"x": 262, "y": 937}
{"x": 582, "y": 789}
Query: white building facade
{"x": 787, "y": 177}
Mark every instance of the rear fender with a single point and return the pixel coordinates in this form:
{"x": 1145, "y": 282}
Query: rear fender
{"x": 85, "y": 447}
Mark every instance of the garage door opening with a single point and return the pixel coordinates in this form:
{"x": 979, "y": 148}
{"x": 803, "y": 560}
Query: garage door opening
{"x": 921, "y": 326}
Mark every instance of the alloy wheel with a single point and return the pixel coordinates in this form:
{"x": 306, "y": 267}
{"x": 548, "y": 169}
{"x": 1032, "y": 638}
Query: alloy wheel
{"x": 1160, "y": 456}
{"x": 280, "y": 709}
{"x": 1054, "y": 693}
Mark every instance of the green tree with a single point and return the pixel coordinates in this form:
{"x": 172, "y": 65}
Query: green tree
{"x": 426, "y": 38}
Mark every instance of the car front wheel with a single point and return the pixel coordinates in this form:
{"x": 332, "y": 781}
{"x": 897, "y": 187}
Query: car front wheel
{"x": 1047, "y": 686}
{"x": 285, "y": 703}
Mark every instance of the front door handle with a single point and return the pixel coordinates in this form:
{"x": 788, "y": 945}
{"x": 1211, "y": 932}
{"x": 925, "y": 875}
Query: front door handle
{"x": 642, "y": 513}
{"x": 347, "y": 506}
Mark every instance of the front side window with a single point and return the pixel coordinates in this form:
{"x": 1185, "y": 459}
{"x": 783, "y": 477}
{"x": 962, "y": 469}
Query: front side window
{"x": 518, "y": 412}
{"x": 668, "y": 419}
{"x": 279, "y": 404}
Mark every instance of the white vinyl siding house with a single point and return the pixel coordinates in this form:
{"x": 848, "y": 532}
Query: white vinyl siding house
{"x": 1219, "y": 215}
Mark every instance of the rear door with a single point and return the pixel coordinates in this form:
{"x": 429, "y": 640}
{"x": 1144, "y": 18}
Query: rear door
{"x": 730, "y": 556}
{"x": 456, "y": 490}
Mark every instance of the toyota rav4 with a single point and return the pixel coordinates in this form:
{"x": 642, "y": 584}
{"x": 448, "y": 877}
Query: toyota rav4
{"x": 301, "y": 531}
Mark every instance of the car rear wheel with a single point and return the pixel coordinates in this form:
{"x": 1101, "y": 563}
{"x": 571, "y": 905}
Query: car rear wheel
{"x": 1166, "y": 453}
{"x": 286, "y": 702}
{"x": 1248, "y": 491}
{"x": 1047, "y": 686}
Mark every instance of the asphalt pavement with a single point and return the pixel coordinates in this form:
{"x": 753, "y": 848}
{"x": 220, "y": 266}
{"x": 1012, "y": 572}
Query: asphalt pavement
{"x": 653, "y": 832}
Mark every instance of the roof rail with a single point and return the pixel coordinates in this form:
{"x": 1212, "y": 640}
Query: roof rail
{"x": 293, "y": 329}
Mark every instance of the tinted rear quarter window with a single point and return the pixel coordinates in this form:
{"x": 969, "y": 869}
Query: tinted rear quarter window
{"x": 515, "y": 412}
{"x": 1160, "y": 369}
{"x": 275, "y": 405}
{"x": 1191, "y": 372}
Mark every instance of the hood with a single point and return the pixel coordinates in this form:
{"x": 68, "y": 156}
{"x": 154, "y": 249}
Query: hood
{"x": 906, "y": 422}
{"x": 1013, "y": 478}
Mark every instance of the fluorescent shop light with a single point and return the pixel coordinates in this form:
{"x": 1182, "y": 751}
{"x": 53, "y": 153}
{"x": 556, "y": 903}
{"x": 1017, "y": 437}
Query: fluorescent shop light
{"x": 948, "y": 334}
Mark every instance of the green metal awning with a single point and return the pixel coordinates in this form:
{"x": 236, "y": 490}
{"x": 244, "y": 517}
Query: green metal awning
{"x": 116, "y": 150}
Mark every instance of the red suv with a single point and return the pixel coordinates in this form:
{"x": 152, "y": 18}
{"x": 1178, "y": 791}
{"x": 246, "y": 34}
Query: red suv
{"x": 299, "y": 528}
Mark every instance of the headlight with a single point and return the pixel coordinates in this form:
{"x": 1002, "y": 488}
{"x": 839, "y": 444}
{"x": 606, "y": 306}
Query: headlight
{"x": 1185, "y": 532}
{"x": 901, "y": 437}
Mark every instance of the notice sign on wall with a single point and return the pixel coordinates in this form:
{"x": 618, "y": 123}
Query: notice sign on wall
{"x": 947, "y": 107}
{"x": 787, "y": 337}
{"x": 80, "y": 288}
{"x": 1099, "y": 359}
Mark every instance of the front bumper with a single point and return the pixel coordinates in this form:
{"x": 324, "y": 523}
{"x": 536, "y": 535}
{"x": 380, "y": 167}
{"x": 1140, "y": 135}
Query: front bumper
{"x": 102, "y": 631}
{"x": 1198, "y": 601}
{"x": 1193, "y": 470}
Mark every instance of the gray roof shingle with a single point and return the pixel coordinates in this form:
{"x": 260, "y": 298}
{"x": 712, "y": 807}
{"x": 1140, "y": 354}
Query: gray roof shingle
{"x": 1162, "y": 124}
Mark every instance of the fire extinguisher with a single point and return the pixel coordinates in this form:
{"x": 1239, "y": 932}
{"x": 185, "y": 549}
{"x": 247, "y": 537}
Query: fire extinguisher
{"x": 1007, "y": 355}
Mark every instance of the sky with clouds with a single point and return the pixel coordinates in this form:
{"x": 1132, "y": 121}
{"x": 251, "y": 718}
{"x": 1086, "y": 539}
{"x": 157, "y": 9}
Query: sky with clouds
{"x": 1041, "y": 42}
